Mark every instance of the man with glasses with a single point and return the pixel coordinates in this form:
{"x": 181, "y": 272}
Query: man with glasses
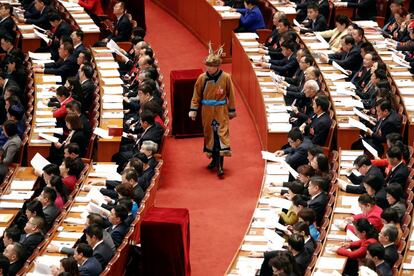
{"x": 297, "y": 152}
{"x": 34, "y": 235}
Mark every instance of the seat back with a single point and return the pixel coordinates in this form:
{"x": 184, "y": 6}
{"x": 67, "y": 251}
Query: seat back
{"x": 328, "y": 142}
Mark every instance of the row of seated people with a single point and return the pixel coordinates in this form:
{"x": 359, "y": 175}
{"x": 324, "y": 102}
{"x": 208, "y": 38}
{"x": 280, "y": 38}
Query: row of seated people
{"x": 368, "y": 74}
{"x": 313, "y": 15}
{"x": 311, "y": 194}
{"x": 382, "y": 205}
{"x": 136, "y": 178}
{"x": 296, "y": 153}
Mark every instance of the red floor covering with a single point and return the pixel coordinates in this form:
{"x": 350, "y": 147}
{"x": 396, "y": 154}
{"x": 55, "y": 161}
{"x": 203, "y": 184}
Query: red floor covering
{"x": 220, "y": 210}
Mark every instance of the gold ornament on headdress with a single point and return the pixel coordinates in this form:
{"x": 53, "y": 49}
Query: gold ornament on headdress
{"x": 214, "y": 58}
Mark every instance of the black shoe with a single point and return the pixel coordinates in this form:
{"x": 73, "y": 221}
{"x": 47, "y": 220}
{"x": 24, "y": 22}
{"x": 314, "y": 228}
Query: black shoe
{"x": 220, "y": 172}
{"x": 212, "y": 164}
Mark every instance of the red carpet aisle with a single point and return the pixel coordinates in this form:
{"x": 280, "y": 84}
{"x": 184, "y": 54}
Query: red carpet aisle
{"x": 220, "y": 210}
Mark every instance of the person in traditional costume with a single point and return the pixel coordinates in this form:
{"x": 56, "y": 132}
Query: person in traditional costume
{"x": 213, "y": 90}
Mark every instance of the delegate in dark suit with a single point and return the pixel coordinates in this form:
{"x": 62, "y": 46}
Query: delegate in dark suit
{"x": 350, "y": 60}
{"x": 391, "y": 254}
{"x": 91, "y": 267}
{"x": 298, "y": 156}
{"x": 361, "y": 78}
{"x": 122, "y": 30}
{"x": 15, "y": 267}
{"x": 51, "y": 212}
{"x": 88, "y": 93}
{"x": 321, "y": 126}
{"x": 30, "y": 242}
{"x": 317, "y": 25}
{"x": 118, "y": 232}
{"x": 41, "y": 19}
{"x": 366, "y": 9}
{"x": 285, "y": 67}
{"x": 398, "y": 175}
{"x": 103, "y": 253}
{"x": 7, "y": 26}
{"x": 8, "y": 84}
{"x": 318, "y": 204}
{"x": 384, "y": 126}
{"x": 359, "y": 188}
{"x": 65, "y": 68}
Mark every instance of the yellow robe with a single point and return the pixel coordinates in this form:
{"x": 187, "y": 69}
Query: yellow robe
{"x": 221, "y": 90}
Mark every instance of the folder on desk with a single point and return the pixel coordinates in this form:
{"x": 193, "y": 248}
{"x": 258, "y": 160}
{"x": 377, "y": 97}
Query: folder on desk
{"x": 50, "y": 138}
{"x": 112, "y": 81}
{"x": 11, "y": 205}
{"x": 330, "y": 263}
{"x": 40, "y": 56}
{"x": 251, "y": 36}
{"x": 102, "y": 133}
{"x": 26, "y": 185}
{"x": 271, "y": 157}
{"x": 48, "y": 130}
{"x": 16, "y": 195}
{"x": 52, "y": 78}
{"x": 357, "y": 124}
{"x": 112, "y": 115}
{"x": 373, "y": 151}
{"x": 112, "y": 98}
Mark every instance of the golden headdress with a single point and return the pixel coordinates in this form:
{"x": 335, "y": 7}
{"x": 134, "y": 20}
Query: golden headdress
{"x": 214, "y": 58}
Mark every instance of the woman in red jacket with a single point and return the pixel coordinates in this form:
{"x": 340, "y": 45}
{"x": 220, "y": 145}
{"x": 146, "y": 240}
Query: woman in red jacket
{"x": 367, "y": 235}
{"x": 370, "y": 211}
{"x": 92, "y": 6}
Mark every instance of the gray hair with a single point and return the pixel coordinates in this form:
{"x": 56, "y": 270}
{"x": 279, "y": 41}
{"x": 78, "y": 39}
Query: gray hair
{"x": 150, "y": 145}
{"x": 313, "y": 85}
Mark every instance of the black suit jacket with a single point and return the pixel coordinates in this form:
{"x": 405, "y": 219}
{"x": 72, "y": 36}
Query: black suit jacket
{"x": 88, "y": 92}
{"x": 154, "y": 133}
{"x": 302, "y": 261}
{"x": 391, "y": 255}
{"x": 65, "y": 68}
{"x": 285, "y": 67}
{"x": 359, "y": 188}
{"x": 41, "y": 19}
{"x": 390, "y": 124}
{"x": 320, "y": 128}
{"x": 11, "y": 83}
{"x": 30, "y": 243}
{"x": 87, "y": 130}
{"x": 351, "y": 60}
{"x": 398, "y": 175}
{"x": 7, "y": 26}
{"x": 79, "y": 138}
{"x": 298, "y": 156}
{"x": 51, "y": 212}
{"x": 122, "y": 30}
{"x": 318, "y": 204}
{"x": 103, "y": 253}
{"x": 91, "y": 267}
{"x": 118, "y": 233}
{"x": 78, "y": 49}
{"x": 64, "y": 29}
{"x": 317, "y": 25}
{"x": 366, "y": 9}
{"x": 361, "y": 78}
{"x": 15, "y": 267}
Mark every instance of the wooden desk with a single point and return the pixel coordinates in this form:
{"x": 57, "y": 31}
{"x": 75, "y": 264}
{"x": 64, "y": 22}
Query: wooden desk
{"x": 330, "y": 243}
{"x": 207, "y": 24}
{"x": 34, "y": 146}
{"x": 30, "y": 42}
{"x": 106, "y": 148}
{"x": 21, "y": 174}
{"x": 82, "y": 20}
{"x": 374, "y": 36}
{"x": 236, "y": 266}
{"x": 246, "y": 81}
